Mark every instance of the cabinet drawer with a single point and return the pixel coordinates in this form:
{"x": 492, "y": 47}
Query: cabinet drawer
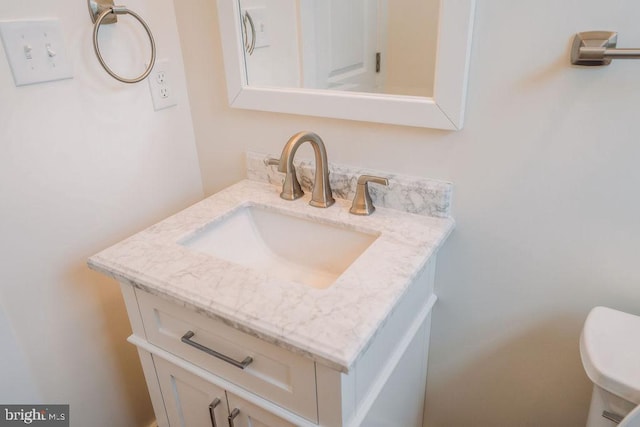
{"x": 273, "y": 373}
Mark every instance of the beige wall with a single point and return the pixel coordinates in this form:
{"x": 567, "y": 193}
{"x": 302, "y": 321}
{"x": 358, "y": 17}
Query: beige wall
{"x": 84, "y": 163}
{"x": 411, "y": 47}
{"x": 546, "y": 198}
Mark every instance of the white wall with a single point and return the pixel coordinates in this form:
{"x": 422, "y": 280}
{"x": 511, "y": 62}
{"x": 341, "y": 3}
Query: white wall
{"x": 546, "y": 197}
{"x": 83, "y": 163}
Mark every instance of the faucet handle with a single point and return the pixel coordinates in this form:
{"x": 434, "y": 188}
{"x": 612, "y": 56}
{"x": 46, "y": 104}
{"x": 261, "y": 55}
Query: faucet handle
{"x": 291, "y": 189}
{"x": 362, "y": 204}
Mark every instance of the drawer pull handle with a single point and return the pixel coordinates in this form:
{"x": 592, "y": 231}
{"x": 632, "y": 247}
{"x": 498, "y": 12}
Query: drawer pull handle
{"x": 186, "y": 338}
{"x": 233, "y": 415}
{"x": 212, "y": 408}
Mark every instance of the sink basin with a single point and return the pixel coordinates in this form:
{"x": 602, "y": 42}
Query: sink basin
{"x": 284, "y": 246}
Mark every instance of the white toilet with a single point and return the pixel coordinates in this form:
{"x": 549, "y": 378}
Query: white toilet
{"x": 631, "y": 420}
{"x": 610, "y": 351}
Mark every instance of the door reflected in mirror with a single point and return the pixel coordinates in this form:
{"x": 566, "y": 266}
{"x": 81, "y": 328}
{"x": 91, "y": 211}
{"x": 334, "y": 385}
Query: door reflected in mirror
{"x": 369, "y": 46}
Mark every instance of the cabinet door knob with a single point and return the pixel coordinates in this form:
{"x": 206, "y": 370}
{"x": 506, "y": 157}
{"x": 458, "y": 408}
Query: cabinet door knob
{"x": 233, "y": 415}
{"x": 212, "y": 411}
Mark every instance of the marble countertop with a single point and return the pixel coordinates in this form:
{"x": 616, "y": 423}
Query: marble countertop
{"x": 331, "y": 326}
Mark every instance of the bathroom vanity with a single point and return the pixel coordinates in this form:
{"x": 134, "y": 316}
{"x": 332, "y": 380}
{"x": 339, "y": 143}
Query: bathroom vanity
{"x": 333, "y": 331}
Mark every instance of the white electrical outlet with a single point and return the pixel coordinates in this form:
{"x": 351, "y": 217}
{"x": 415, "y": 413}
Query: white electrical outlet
{"x": 160, "y": 85}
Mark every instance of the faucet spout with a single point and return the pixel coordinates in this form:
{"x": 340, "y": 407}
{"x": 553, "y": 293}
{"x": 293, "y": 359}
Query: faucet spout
{"x": 321, "y": 195}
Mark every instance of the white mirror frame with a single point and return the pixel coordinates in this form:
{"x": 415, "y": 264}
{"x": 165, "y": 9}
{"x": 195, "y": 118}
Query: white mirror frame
{"x": 445, "y": 110}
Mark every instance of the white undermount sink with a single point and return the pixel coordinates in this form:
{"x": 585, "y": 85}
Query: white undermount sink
{"x": 284, "y": 246}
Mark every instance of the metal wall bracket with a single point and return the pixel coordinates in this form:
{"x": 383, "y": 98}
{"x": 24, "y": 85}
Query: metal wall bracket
{"x": 593, "y": 48}
{"x": 96, "y": 7}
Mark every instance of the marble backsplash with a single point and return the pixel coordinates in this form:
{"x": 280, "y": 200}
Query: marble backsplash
{"x": 422, "y": 196}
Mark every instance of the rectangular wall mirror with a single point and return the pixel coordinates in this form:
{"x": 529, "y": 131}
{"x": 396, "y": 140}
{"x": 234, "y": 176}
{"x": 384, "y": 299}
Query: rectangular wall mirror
{"x": 401, "y": 62}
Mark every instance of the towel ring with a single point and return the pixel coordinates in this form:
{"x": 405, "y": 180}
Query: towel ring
{"x": 105, "y": 12}
{"x": 249, "y": 46}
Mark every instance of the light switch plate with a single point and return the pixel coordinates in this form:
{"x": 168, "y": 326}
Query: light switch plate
{"x": 36, "y": 51}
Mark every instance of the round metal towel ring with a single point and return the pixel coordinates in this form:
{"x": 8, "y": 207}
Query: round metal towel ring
{"x": 121, "y": 10}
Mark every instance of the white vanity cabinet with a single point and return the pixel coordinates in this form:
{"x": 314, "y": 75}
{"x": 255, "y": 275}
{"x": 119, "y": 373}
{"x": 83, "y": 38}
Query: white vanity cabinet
{"x": 281, "y": 351}
{"x": 188, "y": 399}
{"x": 192, "y": 401}
{"x": 280, "y": 386}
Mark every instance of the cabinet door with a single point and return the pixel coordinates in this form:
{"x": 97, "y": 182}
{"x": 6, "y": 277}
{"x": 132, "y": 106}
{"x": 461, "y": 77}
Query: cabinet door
{"x": 190, "y": 401}
{"x": 249, "y": 415}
